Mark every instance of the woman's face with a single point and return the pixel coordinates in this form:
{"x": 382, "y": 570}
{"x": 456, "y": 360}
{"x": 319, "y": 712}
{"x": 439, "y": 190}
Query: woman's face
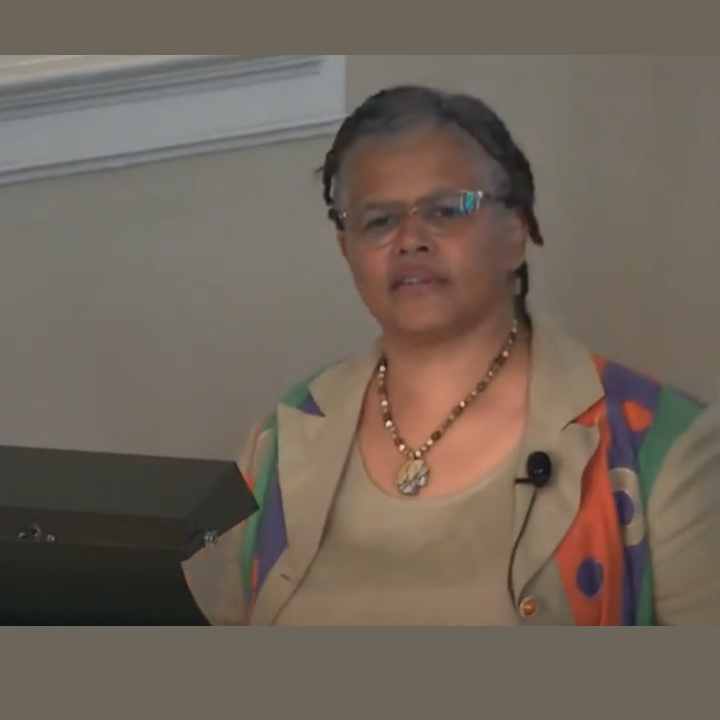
{"x": 434, "y": 273}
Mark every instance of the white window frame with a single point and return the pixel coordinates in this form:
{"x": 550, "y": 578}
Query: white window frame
{"x": 64, "y": 114}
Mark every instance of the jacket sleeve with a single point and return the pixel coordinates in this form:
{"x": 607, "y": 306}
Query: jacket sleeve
{"x": 213, "y": 574}
{"x": 684, "y": 527}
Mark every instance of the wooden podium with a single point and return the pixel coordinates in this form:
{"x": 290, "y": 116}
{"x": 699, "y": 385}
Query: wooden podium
{"x": 99, "y": 539}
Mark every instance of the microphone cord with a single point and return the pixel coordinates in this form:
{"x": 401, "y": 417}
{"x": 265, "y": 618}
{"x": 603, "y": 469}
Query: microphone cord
{"x": 510, "y": 581}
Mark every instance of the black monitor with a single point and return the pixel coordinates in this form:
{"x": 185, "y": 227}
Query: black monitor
{"x": 99, "y": 539}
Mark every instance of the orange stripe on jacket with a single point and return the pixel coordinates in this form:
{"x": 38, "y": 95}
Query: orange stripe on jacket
{"x": 590, "y": 557}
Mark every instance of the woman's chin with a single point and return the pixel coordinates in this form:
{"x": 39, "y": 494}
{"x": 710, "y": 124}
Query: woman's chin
{"x": 426, "y": 327}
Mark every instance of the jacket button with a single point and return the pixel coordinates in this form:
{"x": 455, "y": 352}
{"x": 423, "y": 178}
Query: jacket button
{"x": 528, "y": 608}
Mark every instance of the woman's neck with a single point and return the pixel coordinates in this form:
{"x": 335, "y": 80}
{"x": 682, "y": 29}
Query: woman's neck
{"x": 434, "y": 375}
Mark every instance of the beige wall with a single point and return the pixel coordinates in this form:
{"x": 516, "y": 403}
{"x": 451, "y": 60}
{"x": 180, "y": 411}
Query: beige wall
{"x": 213, "y": 283}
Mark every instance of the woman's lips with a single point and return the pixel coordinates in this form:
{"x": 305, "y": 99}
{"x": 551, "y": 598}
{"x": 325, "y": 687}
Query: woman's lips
{"x": 416, "y": 281}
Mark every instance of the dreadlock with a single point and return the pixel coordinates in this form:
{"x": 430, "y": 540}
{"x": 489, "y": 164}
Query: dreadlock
{"x": 395, "y": 109}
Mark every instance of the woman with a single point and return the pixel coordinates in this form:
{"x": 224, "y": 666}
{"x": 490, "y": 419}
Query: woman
{"x": 476, "y": 467}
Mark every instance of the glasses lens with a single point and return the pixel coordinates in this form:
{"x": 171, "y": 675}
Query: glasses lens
{"x": 374, "y": 224}
{"x": 446, "y": 210}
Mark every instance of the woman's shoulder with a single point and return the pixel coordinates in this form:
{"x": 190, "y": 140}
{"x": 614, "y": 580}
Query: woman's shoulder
{"x": 658, "y": 411}
{"x": 644, "y": 414}
{"x": 333, "y": 384}
{"x": 654, "y": 417}
{"x": 672, "y": 442}
{"x": 321, "y": 393}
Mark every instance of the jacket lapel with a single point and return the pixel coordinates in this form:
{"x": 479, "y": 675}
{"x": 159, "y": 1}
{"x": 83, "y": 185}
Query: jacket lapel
{"x": 313, "y": 450}
{"x": 564, "y": 384}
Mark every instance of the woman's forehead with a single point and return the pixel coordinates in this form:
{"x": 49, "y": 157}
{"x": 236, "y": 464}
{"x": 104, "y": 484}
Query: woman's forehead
{"x": 408, "y": 166}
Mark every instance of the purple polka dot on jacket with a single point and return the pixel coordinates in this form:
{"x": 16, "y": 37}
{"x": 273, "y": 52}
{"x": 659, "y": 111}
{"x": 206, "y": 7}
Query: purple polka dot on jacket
{"x": 590, "y": 578}
{"x": 625, "y": 508}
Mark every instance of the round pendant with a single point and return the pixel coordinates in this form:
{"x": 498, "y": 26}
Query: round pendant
{"x": 413, "y": 478}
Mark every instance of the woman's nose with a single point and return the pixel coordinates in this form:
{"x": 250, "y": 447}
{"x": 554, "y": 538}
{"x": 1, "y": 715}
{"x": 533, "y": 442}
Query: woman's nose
{"x": 412, "y": 235}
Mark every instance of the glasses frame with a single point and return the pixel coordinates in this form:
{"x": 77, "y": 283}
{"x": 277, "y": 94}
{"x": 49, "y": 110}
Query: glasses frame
{"x": 480, "y": 197}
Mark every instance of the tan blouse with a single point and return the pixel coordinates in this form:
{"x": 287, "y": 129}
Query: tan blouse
{"x": 393, "y": 562}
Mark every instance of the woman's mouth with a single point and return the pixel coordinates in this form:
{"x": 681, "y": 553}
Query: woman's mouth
{"x": 417, "y": 283}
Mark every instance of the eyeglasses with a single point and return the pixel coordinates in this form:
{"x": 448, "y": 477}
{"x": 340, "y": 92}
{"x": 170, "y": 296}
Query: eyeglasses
{"x": 442, "y": 214}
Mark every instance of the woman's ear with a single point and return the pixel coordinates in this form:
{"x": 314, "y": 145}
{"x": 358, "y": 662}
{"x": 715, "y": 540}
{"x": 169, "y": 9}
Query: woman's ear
{"x": 516, "y": 237}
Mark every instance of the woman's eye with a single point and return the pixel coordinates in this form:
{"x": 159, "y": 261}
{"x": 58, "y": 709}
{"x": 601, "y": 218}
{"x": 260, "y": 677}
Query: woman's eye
{"x": 379, "y": 223}
{"x": 447, "y": 211}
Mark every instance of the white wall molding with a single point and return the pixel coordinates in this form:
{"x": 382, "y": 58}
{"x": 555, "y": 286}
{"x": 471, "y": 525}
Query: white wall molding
{"x": 63, "y": 114}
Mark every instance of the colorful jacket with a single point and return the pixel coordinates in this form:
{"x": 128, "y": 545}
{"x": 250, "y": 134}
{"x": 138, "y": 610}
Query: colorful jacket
{"x": 613, "y": 435}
